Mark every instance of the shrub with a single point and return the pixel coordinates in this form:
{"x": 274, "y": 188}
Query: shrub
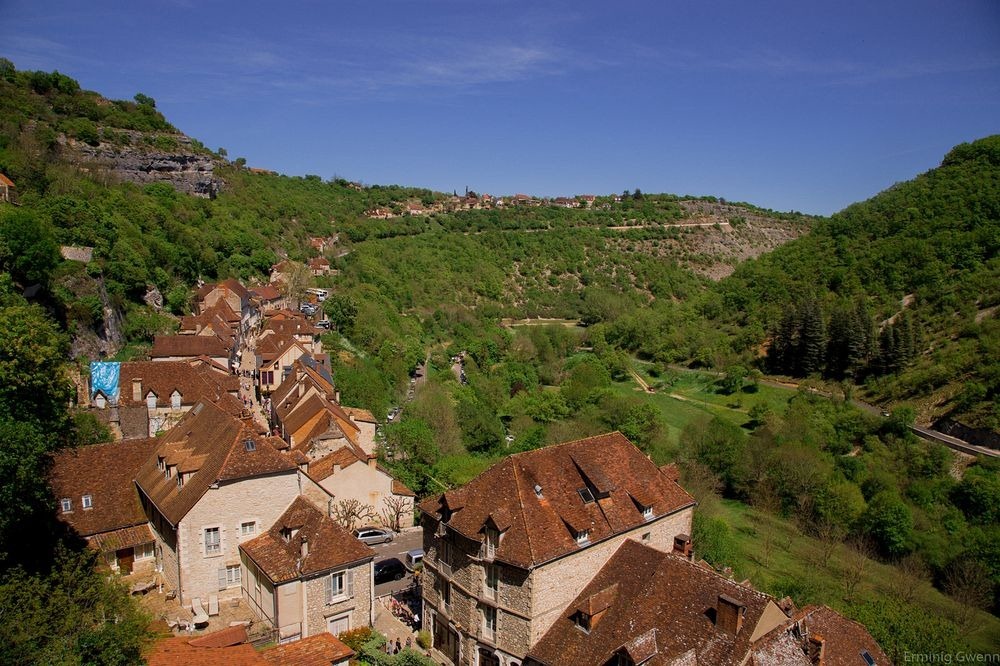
{"x": 424, "y": 639}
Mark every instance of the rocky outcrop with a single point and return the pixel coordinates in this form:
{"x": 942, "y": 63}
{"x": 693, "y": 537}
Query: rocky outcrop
{"x": 141, "y": 161}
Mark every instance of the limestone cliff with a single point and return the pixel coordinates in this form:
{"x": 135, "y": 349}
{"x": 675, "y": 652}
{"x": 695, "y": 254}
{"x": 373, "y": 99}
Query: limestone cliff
{"x": 139, "y": 158}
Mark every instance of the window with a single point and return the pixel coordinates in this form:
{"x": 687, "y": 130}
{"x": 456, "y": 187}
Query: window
{"x": 339, "y": 586}
{"x": 249, "y": 445}
{"x": 267, "y": 377}
{"x": 582, "y": 537}
{"x": 489, "y": 622}
{"x": 248, "y": 528}
{"x": 647, "y": 512}
{"x": 582, "y": 621}
{"x": 586, "y": 495}
{"x": 180, "y": 480}
{"x": 159, "y": 463}
{"x": 66, "y": 504}
{"x": 492, "y": 575}
{"x": 144, "y": 551}
{"x": 338, "y": 625}
{"x": 175, "y": 400}
{"x": 213, "y": 541}
{"x": 446, "y": 594}
{"x": 492, "y": 541}
{"x": 232, "y": 575}
{"x": 151, "y": 401}
{"x": 100, "y": 401}
{"x": 647, "y": 537}
{"x": 88, "y": 502}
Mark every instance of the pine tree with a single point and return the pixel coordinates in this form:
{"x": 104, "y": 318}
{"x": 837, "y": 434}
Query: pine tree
{"x": 812, "y": 340}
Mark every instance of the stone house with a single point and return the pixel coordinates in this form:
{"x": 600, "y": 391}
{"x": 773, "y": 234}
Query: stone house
{"x": 294, "y": 324}
{"x": 656, "y": 608}
{"x": 95, "y": 496}
{"x": 508, "y": 552}
{"x": 307, "y": 575}
{"x": 8, "y": 190}
{"x": 275, "y": 356}
{"x": 236, "y": 296}
{"x": 153, "y": 396}
{"x": 319, "y": 266}
{"x": 268, "y": 298}
{"x": 186, "y": 347}
{"x": 350, "y": 474}
{"x": 211, "y": 483}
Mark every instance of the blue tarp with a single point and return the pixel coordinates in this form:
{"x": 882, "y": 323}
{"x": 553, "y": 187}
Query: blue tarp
{"x": 104, "y": 378}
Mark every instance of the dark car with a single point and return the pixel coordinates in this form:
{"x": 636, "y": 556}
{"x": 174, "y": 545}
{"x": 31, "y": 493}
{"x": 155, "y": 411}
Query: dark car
{"x": 391, "y": 569}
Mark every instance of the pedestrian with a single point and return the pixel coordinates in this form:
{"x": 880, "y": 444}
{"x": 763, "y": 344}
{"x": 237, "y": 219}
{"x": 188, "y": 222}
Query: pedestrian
{"x": 409, "y": 642}
{"x": 399, "y": 646}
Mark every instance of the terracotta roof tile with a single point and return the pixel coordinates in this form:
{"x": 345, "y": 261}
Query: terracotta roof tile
{"x": 329, "y": 545}
{"x": 209, "y": 432}
{"x": 222, "y": 638}
{"x": 188, "y": 345}
{"x": 542, "y": 525}
{"x": 126, "y": 537}
{"x": 173, "y": 651}
{"x": 842, "y": 640}
{"x": 163, "y": 378}
{"x": 267, "y": 292}
{"x": 360, "y": 414}
{"x": 653, "y": 591}
{"x": 106, "y": 473}
{"x": 318, "y": 650}
{"x": 399, "y": 488}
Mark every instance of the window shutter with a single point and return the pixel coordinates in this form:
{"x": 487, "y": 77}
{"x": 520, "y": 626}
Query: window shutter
{"x": 329, "y": 589}
{"x": 350, "y": 583}
{"x": 222, "y": 578}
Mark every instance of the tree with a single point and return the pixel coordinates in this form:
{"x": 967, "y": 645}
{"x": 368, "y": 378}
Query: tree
{"x": 352, "y": 512}
{"x": 296, "y": 280}
{"x": 393, "y": 510}
{"x": 888, "y": 521}
{"x": 341, "y": 310}
{"x": 27, "y": 246}
{"x": 145, "y": 100}
{"x": 968, "y": 583}
{"x": 732, "y": 382}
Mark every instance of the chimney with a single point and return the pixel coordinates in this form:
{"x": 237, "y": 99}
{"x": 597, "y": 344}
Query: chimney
{"x": 336, "y": 396}
{"x": 304, "y": 548}
{"x": 301, "y": 386}
{"x": 729, "y": 615}
{"x": 682, "y": 545}
{"x": 137, "y": 389}
{"x": 372, "y": 460}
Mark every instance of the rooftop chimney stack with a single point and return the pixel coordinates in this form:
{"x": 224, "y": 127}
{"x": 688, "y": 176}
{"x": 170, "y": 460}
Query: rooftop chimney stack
{"x": 372, "y": 461}
{"x": 682, "y": 545}
{"x": 137, "y": 389}
{"x": 729, "y": 615}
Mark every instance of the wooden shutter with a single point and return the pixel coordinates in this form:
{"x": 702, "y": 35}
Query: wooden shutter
{"x": 328, "y": 583}
{"x": 350, "y": 583}
{"x": 222, "y": 578}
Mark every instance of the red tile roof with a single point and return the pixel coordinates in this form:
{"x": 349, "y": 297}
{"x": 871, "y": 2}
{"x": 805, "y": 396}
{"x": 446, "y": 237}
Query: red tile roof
{"x": 318, "y": 650}
{"x": 329, "y": 545}
{"x": 126, "y": 537}
{"x": 540, "y": 526}
{"x": 360, "y": 414}
{"x": 267, "y": 292}
{"x": 174, "y": 651}
{"x": 813, "y": 629}
{"x": 193, "y": 382}
{"x": 662, "y": 607}
{"x": 106, "y": 473}
{"x": 222, "y": 638}
{"x": 188, "y": 345}
{"x": 211, "y": 443}
{"x": 4, "y": 180}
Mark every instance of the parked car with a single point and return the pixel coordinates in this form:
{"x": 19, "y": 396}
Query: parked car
{"x": 391, "y": 569}
{"x": 413, "y": 559}
{"x": 373, "y": 535}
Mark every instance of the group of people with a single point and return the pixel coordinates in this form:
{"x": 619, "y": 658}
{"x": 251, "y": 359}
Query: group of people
{"x": 397, "y": 647}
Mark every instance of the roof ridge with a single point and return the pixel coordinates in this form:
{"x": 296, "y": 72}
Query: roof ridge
{"x": 520, "y": 506}
{"x": 572, "y": 441}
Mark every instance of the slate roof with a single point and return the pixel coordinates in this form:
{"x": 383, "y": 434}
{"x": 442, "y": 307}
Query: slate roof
{"x": 329, "y": 545}
{"x": 317, "y": 650}
{"x": 211, "y": 444}
{"x": 658, "y": 606}
{"x": 188, "y": 345}
{"x": 106, "y": 473}
{"x": 538, "y": 528}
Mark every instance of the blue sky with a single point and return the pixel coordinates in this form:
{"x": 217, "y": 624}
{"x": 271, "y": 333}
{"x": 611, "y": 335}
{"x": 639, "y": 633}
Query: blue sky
{"x": 789, "y": 105}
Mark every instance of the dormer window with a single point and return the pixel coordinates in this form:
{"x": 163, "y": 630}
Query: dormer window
{"x": 582, "y": 621}
{"x": 250, "y": 445}
{"x": 99, "y": 401}
{"x": 647, "y": 512}
{"x": 175, "y": 400}
{"x": 582, "y": 537}
{"x": 492, "y": 541}
{"x": 180, "y": 480}
{"x": 538, "y": 491}
{"x": 150, "y": 401}
{"x": 586, "y": 495}
{"x": 87, "y": 502}
{"x": 66, "y": 504}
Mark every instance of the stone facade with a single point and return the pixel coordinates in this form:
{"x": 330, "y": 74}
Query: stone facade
{"x": 366, "y": 483}
{"x": 526, "y": 602}
{"x": 185, "y": 564}
{"x": 358, "y": 607}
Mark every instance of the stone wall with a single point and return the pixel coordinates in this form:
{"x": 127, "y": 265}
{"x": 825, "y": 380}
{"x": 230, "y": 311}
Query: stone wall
{"x": 358, "y": 606}
{"x": 556, "y": 584}
{"x": 261, "y": 499}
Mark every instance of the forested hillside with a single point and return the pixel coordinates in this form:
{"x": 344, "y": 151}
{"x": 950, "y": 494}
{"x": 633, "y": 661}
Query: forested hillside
{"x": 893, "y": 299}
